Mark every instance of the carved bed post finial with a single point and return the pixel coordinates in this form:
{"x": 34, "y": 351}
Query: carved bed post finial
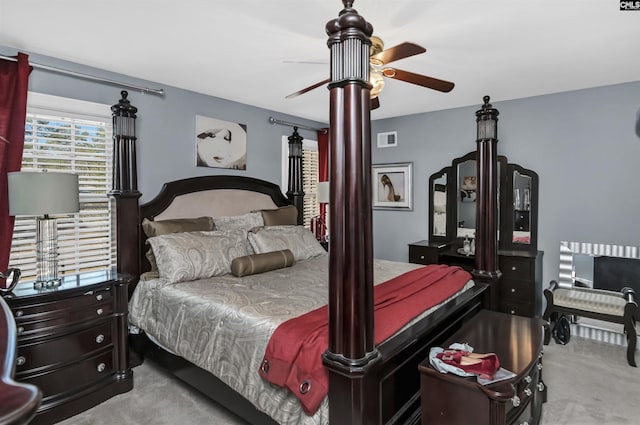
{"x": 295, "y": 189}
{"x": 486, "y": 265}
{"x": 351, "y": 348}
{"x": 125, "y": 185}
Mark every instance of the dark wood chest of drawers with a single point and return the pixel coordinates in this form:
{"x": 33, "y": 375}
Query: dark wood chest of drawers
{"x": 452, "y": 400}
{"x": 520, "y": 286}
{"x": 72, "y": 342}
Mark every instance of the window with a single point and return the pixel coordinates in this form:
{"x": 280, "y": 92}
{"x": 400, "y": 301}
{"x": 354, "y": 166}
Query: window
{"x": 73, "y": 136}
{"x": 309, "y": 178}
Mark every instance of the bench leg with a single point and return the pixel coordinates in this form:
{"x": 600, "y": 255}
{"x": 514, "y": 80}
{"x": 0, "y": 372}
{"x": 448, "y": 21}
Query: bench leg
{"x": 630, "y": 330}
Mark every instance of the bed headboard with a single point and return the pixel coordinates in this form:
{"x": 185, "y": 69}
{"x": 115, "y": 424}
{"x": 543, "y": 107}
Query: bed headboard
{"x": 212, "y": 196}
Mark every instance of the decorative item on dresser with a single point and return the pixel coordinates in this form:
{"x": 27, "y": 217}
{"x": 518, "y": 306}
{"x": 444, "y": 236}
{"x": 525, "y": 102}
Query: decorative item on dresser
{"x": 453, "y": 400}
{"x": 456, "y": 217}
{"x": 72, "y": 342}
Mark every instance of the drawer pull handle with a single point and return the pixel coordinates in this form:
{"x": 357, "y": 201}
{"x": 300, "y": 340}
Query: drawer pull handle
{"x": 525, "y": 423}
{"x": 422, "y": 257}
{"x": 19, "y": 313}
{"x": 514, "y": 268}
{"x": 21, "y": 360}
{"x": 88, "y": 293}
{"x": 528, "y": 392}
{"x": 99, "y": 311}
{"x": 100, "y": 339}
{"x": 540, "y": 386}
{"x": 515, "y": 400}
{"x": 513, "y": 290}
{"x": 20, "y": 330}
{"x": 539, "y": 366}
{"x": 101, "y": 367}
{"x": 99, "y": 297}
{"x": 513, "y": 312}
{"x": 527, "y": 379}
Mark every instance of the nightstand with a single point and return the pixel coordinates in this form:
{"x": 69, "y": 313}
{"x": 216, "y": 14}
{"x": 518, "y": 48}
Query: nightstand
{"x": 72, "y": 342}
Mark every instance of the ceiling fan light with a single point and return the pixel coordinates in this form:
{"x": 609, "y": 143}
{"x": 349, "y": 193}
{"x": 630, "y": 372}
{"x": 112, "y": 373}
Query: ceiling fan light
{"x": 377, "y": 82}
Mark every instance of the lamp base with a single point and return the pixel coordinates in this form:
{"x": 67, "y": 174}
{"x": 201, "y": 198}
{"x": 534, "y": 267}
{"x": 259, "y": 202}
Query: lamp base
{"x": 47, "y": 253}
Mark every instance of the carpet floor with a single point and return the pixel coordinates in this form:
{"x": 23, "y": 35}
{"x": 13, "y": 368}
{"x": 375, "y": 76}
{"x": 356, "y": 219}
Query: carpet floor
{"x": 589, "y": 383}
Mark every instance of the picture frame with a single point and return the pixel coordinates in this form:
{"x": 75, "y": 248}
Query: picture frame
{"x": 220, "y": 144}
{"x": 392, "y": 186}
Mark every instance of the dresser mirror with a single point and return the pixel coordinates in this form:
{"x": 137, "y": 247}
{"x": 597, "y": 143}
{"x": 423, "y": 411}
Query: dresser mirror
{"x": 452, "y": 203}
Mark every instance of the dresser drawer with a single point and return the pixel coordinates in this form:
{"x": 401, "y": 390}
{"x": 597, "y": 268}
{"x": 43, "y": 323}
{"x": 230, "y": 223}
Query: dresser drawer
{"x": 63, "y": 307}
{"x": 40, "y": 325}
{"x": 73, "y": 376}
{"x": 519, "y": 408}
{"x": 423, "y": 255}
{"x": 517, "y": 268}
{"x": 57, "y": 351}
{"x": 515, "y": 289}
{"x": 518, "y": 308}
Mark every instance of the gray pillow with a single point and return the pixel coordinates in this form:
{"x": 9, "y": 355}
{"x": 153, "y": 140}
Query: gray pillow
{"x": 163, "y": 227}
{"x": 244, "y": 221}
{"x": 298, "y": 239}
{"x": 196, "y": 255}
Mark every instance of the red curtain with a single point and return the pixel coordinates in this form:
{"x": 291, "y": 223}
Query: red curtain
{"x": 323, "y": 167}
{"x": 14, "y": 79}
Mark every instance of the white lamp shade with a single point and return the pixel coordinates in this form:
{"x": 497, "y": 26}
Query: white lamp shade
{"x": 323, "y": 192}
{"x": 40, "y": 193}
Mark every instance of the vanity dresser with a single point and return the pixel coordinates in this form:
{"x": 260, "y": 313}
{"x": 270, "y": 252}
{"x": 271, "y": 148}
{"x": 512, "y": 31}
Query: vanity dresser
{"x": 452, "y": 223}
{"x": 72, "y": 341}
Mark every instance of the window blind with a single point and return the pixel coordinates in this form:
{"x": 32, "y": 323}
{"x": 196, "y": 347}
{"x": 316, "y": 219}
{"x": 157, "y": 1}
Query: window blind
{"x": 70, "y": 136}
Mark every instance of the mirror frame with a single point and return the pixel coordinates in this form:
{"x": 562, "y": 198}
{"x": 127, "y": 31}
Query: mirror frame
{"x": 452, "y": 198}
{"x": 508, "y": 225}
{"x": 569, "y": 249}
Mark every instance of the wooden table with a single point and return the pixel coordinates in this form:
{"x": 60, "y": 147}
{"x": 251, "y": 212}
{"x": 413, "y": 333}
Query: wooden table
{"x": 448, "y": 399}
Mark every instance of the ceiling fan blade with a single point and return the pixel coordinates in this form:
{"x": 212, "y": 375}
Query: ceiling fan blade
{"x": 306, "y": 89}
{"x": 421, "y": 80}
{"x": 375, "y": 103}
{"x": 401, "y": 51}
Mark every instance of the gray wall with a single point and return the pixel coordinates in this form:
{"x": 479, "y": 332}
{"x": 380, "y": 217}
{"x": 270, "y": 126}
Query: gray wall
{"x": 166, "y": 125}
{"x": 582, "y": 144}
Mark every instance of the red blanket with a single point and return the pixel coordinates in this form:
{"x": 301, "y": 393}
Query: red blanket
{"x": 293, "y": 358}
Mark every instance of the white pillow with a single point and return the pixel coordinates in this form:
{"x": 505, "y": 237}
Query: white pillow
{"x": 298, "y": 239}
{"x": 196, "y": 255}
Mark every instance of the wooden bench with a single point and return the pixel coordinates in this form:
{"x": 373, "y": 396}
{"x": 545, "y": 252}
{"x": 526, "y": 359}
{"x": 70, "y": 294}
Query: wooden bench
{"x": 611, "y": 306}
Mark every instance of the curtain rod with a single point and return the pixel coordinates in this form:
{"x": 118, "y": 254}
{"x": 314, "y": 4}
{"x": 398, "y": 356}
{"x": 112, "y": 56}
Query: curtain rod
{"x": 159, "y": 92}
{"x": 274, "y": 121}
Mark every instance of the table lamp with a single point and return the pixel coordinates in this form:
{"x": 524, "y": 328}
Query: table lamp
{"x": 40, "y": 194}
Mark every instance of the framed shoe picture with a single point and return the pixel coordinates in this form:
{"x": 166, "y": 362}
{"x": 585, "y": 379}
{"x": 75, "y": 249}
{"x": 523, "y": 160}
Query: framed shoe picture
{"x": 392, "y": 186}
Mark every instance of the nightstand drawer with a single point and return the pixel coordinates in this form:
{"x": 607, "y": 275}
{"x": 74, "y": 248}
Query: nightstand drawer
{"x": 517, "y": 268}
{"x": 517, "y": 307}
{"x": 74, "y": 376}
{"x": 61, "y": 307}
{"x": 64, "y": 349}
{"x": 45, "y": 324}
{"x": 423, "y": 255}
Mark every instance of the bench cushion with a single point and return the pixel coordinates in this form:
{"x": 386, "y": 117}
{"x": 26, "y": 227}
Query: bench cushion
{"x": 593, "y": 300}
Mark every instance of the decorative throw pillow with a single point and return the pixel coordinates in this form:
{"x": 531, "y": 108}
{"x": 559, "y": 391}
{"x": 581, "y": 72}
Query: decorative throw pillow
{"x": 260, "y": 263}
{"x": 287, "y": 215}
{"x": 298, "y": 239}
{"x": 176, "y": 225}
{"x": 196, "y": 255}
{"x": 244, "y": 221}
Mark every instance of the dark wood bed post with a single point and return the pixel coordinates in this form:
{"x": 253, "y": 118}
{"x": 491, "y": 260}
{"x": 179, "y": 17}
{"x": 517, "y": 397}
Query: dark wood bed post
{"x": 125, "y": 187}
{"x": 351, "y": 350}
{"x": 295, "y": 189}
{"x": 486, "y": 267}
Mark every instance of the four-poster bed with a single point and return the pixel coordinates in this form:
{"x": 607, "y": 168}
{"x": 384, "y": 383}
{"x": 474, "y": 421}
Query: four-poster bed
{"x": 368, "y": 383}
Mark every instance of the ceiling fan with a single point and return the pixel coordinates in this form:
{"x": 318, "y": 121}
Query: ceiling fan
{"x": 378, "y": 59}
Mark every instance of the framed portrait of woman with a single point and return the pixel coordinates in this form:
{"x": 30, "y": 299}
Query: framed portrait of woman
{"x": 220, "y": 144}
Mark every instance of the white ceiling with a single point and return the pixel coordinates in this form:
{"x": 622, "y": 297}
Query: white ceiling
{"x": 250, "y": 50}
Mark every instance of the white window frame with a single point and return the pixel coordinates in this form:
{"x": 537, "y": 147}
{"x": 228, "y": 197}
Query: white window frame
{"x": 310, "y": 193}
{"x": 81, "y": 249}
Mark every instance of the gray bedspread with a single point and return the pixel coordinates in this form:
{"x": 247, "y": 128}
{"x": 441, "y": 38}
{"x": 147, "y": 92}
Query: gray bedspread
{"x": 223, "y": 324}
